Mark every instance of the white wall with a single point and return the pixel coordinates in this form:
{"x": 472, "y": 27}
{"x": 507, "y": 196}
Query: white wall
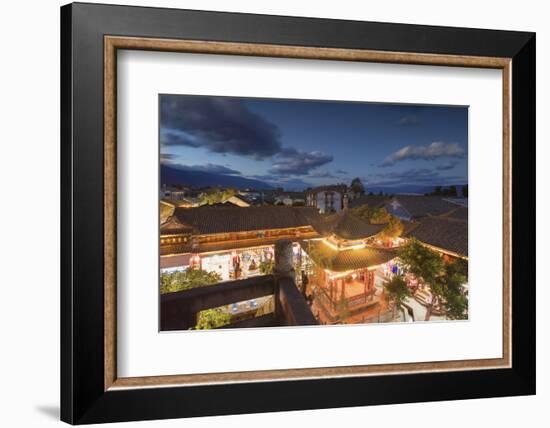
{"x": 29, "y": 137}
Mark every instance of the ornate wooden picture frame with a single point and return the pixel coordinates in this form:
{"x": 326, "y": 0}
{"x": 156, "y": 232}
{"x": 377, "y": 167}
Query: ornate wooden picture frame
{"x": 91, "y": 390}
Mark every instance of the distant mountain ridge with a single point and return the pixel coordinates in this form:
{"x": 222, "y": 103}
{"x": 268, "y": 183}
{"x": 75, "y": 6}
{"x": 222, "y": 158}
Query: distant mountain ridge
{"x": 411, "y": 189}
{"x": 172, "y": 176}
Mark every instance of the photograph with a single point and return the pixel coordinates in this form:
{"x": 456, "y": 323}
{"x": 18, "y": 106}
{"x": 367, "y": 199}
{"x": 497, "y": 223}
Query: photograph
{"x": 290, "y": 212}
{"x": 267, "y": 211}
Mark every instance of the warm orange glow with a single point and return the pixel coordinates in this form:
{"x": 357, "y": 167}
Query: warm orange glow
{"x": 344, "y": 248}
{"x": 333, "y": 275}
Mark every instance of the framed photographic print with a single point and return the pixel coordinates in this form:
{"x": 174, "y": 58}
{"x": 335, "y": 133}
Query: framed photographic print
{"x": 272, "y": 213}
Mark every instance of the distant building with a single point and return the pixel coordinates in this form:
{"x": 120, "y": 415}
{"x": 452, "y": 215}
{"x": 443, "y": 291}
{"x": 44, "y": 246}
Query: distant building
{"x": 290, "y": 199}
{"x": 254, "y": 197}
{"x": 327, "y": 199}
{"x": 175, "y": 194}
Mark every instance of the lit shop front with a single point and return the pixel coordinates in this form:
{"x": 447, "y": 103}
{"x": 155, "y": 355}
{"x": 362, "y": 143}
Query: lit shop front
{"x": 236, "y": 264}
{"x": 231, "y": 264}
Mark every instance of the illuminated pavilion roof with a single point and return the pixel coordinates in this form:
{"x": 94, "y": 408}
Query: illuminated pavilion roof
{"x": 346, "y": 260}
{"x": 346, "y": 225}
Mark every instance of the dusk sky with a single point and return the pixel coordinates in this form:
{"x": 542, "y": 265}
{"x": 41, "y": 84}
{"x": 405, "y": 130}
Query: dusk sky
{"x": 297, "y": 144}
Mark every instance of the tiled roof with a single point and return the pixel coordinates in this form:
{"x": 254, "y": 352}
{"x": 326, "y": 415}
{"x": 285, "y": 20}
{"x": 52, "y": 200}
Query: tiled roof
{"x": 420, "y": 206}
{"x": 347, "y": 226}
{"x": 208, "y": 220}
{"x": 172, "y": 226}
{"x": 373, "y": 201}
{"x": 210, "y": 247}
{"x": 459, "y": 214}
{"x": 166, "y": 210}
{"x": 442, "y": 232}
{"x": 342, "y": 261}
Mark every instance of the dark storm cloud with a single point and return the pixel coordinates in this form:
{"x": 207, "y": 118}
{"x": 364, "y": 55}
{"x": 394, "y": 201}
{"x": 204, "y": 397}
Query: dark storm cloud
{"x": 209, "y": 167}
{"x": 435, "y": 150}
{"x": 166, "y": 158}
{"x": 296, "y": 162}
{"x": 221, "y": 125}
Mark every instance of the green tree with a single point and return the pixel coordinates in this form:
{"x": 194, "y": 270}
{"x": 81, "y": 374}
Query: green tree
{"x": 444, "y": 279}
{"x": 397, "y": 291}
{"x": 379, "y": 216}
{"x": 212, "y": 318}
{"x": 357, "y": 186}
{"x": 450, "y": 286}
{"x": 452, "y": 191}
{"x": 372, "y": 215}
{"x": 465, "y": 190}
{"x": 394, "y": 228}
{"x": 362, "y": 211}
{"x": 426, "y": 265}
{"x": 191, "y": 278}
{"x": 266, "y": 267}
{"x": 216, "y": 196}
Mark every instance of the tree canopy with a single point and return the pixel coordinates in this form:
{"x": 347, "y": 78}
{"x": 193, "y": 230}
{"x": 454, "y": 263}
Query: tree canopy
{"x": 372, "y": 215}
{"x": 215, "y": 196}
{"x": 357, "y": 186}
{"x": 423, "y": 263}
{"x": 394, "y": 228}
{"x": 397, "y": 290}
{"x": 449, "y": 287}
{"x": 444, "y": 279}
{"x": 212, "y": 318}
{"x": 450, "y": 191}
{"x": 266, "y": 267}
{"x": 191, "y": 278}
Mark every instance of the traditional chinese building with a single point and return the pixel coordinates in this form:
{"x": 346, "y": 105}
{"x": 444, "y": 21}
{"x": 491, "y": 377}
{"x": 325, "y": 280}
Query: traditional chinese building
{"x": 446, "y": 234}
{"x": 341, "y": 260}
{"x": 347, "y": 267}
{"x": 231, "y": 241}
